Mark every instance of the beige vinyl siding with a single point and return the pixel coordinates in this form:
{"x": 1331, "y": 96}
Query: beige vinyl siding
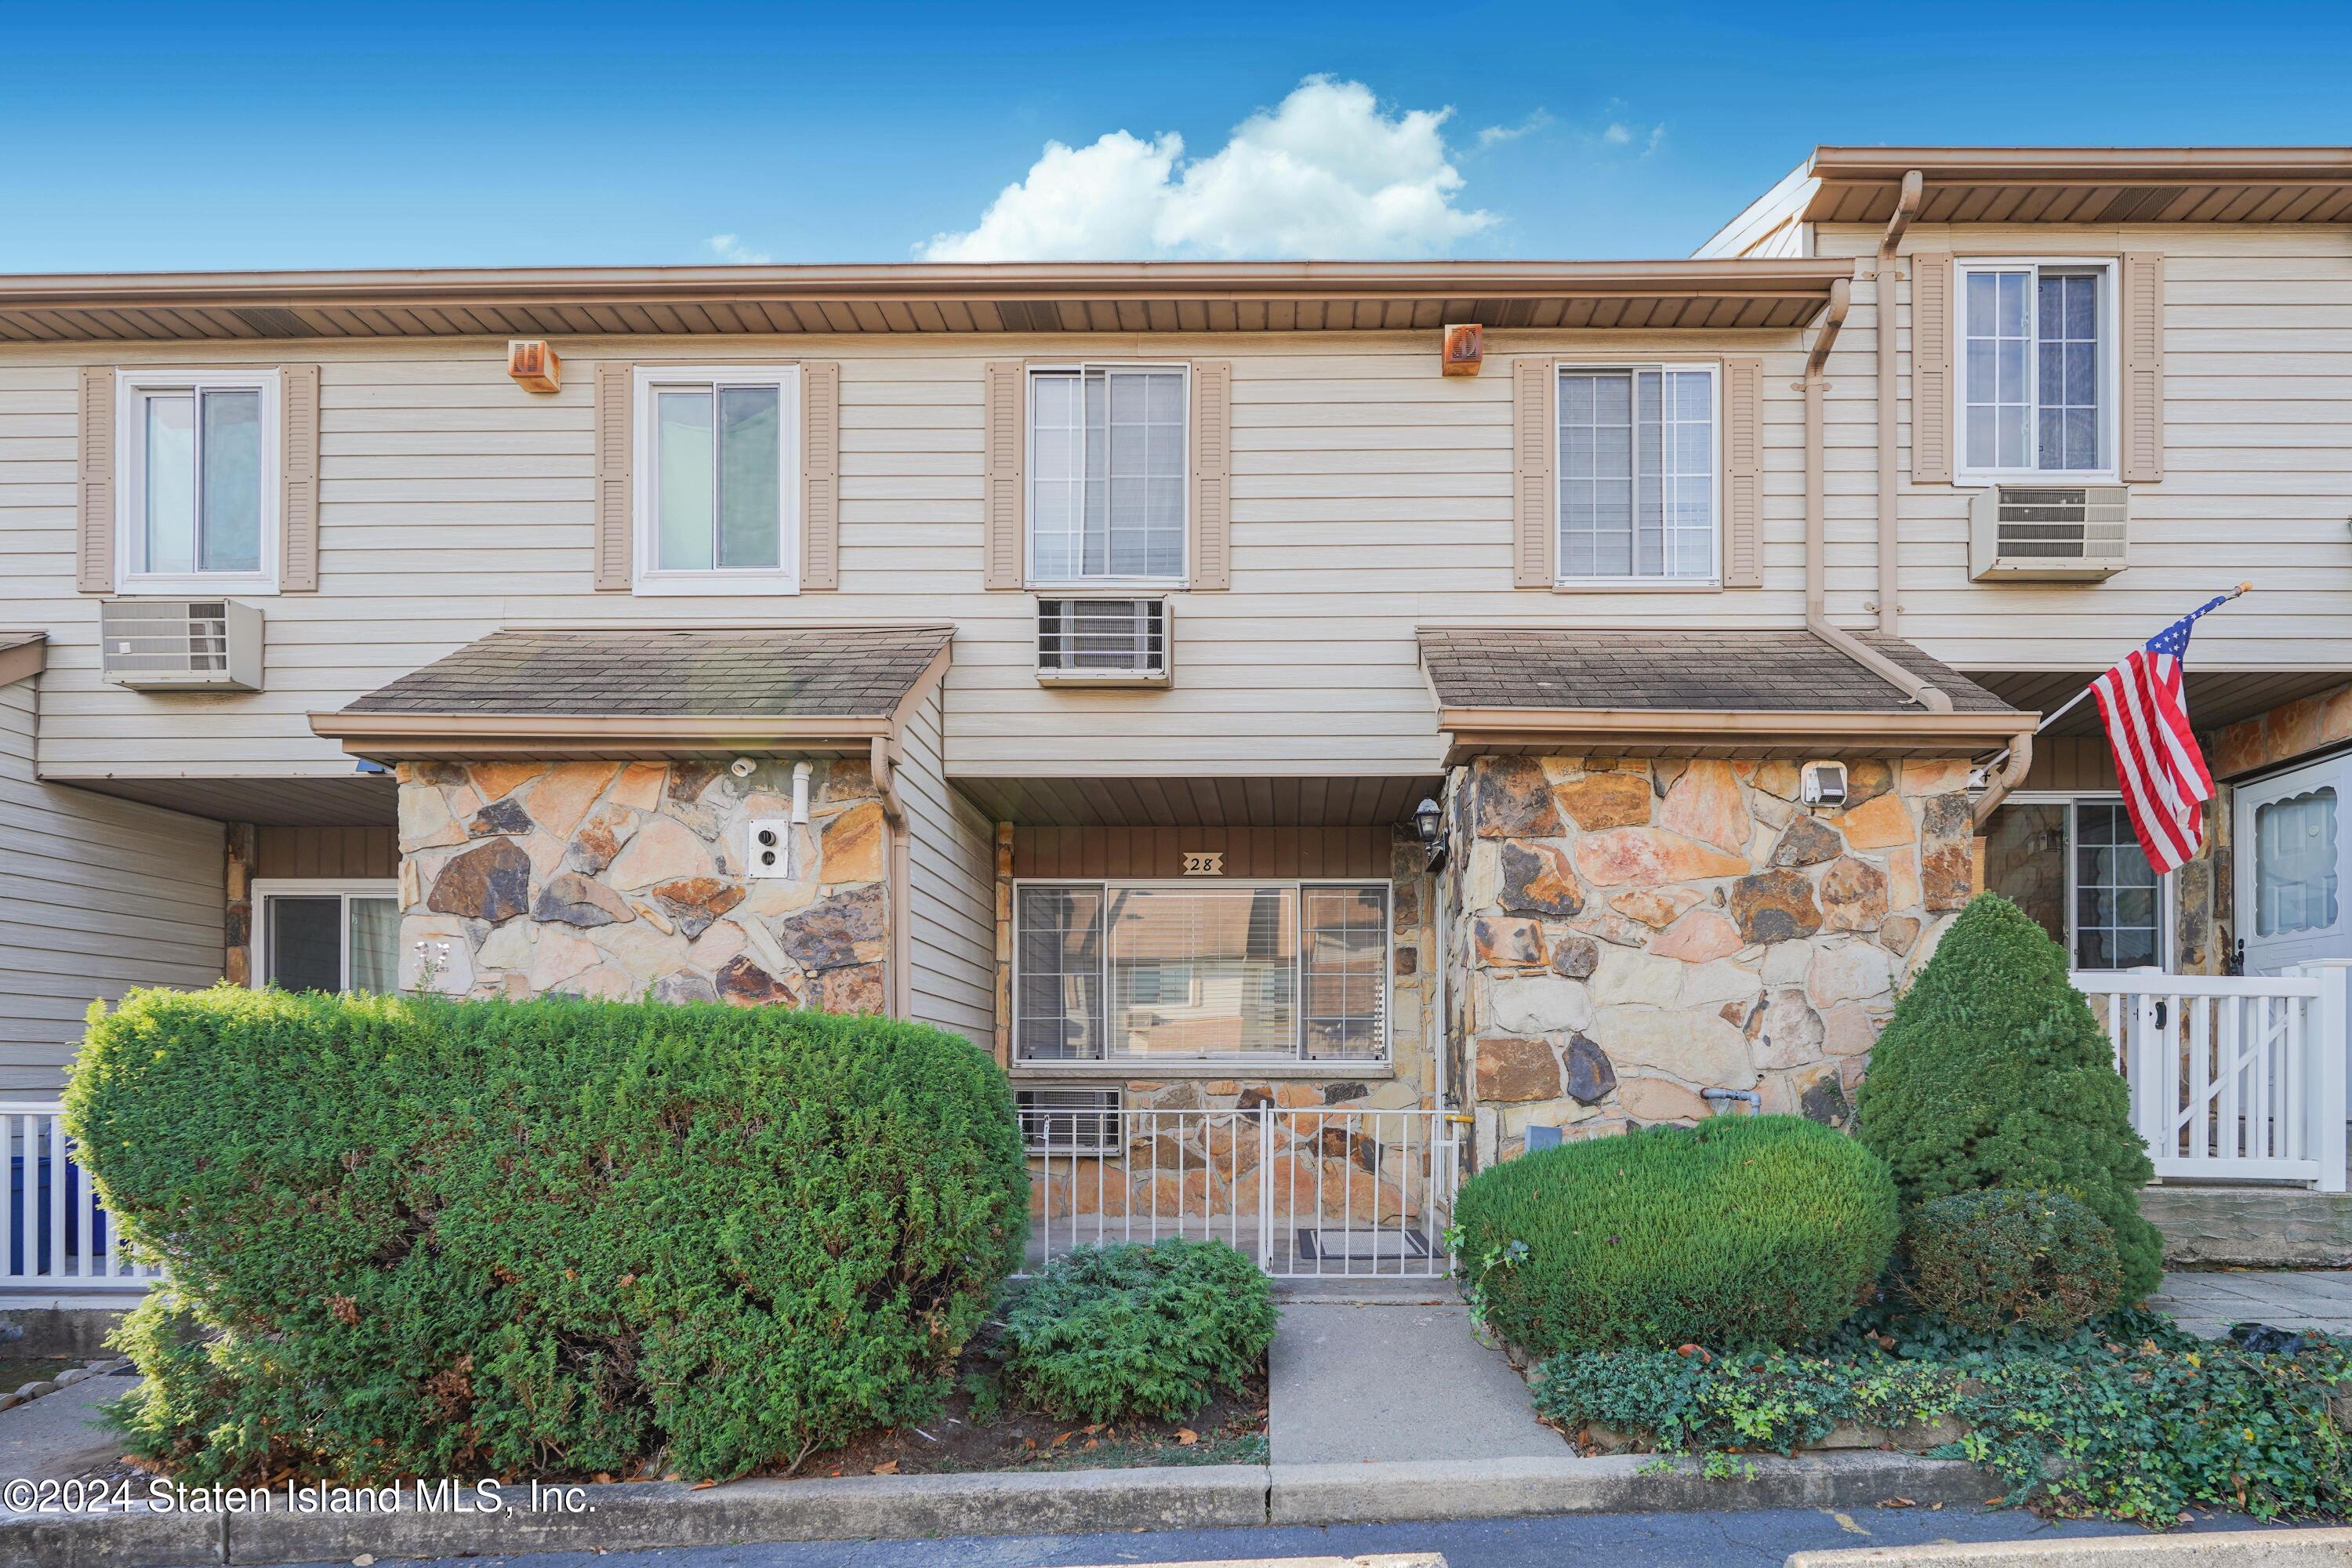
{"x": 1368, "y": 495}
{"x": 2257, "y": 336}
{"x": 952, "y": 887}
{"x": 97, "y": 895}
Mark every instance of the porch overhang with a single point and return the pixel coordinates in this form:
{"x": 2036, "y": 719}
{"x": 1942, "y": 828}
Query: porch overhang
{"x": 650, "y": 695}
{"x": 1640, "y": 692}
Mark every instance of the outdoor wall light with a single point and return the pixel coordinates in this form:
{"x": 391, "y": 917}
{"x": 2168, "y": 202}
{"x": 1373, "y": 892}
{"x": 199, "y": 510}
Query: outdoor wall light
{"x": 1429, "y": 822}
{"x": 1823, "y": 784}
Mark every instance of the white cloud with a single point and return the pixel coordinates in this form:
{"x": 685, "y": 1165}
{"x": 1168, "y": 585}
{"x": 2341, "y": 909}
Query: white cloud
{"x": 1324, "y": 174}
{"x": 1619, "y": 133}
{"x": 730, "y": 247}
{"x": 1494, "y": 136}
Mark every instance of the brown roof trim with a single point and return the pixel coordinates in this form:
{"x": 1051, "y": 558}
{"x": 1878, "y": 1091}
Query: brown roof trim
{"x": 992, "y": 297}
{"x": 2089, "y": 165}
{"x": 482, "y": 736}
{"x": 1687, "y": 732}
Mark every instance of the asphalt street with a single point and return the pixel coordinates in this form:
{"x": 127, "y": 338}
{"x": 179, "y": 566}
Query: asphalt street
{"x": 1757, "y": 1539}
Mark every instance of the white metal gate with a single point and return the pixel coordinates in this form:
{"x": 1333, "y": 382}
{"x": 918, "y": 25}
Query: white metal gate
{"x": 1305, "y": 1191}
{"x": 58, "y": 1244}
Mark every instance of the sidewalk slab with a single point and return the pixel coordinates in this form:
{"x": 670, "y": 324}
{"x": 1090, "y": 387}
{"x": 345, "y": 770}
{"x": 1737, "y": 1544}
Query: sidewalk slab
{"x": 2206, "y": 1303}
{"x": 57, "y": 1436}
{"x": 1352, "y": 1383}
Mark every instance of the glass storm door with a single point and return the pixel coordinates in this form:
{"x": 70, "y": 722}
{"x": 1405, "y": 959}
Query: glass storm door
{"x": 2292, "y": 840}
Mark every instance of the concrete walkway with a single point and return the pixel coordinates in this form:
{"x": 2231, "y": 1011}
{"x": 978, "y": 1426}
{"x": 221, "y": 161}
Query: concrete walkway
{"x": 55, "y": 1436}
{"x": 1355, "y": 1380}
{"x": 2206, "y": 1303}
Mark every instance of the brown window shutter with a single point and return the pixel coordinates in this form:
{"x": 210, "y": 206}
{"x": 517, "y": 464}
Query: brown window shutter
{"x": 615, "y": 549}
{"x": 1534, "y": 518}
{"x": 820, "y": 474}
{"x": 1212, "y": 443}
{"x": 2142, "y": 315}
{"x": 1743, "y": 473}
{"x": 297, "y": 492}
{"x": 1931, "y": 369}
{"x": 94, "y": 523}
{"x": 1005, "y": 415}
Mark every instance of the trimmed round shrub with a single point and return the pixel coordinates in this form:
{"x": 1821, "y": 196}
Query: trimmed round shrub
{"x": 2003, "y": 1260}
{"x": 412, "y": 1236}
{"x": 1104, "y": 1333}
{"x": 1992, "y": 1073}
{"x": 1763, "y": 1230}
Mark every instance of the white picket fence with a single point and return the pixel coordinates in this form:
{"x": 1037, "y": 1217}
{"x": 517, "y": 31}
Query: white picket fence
{"x": 2232, "y": 1077}
{"x": 1307, "y": 1192}
{"x": 58, "y": 1244}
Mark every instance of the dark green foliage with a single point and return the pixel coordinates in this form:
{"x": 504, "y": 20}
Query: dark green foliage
{"x": 1992, "y": 1073}
{"x": 1106, "y": 1333}
{"x": 2114, "y": 1421}
{"x": 1741, "y": 1231}
{"x": 2000, "y": 1258}
{"x": 423, "y": 1238}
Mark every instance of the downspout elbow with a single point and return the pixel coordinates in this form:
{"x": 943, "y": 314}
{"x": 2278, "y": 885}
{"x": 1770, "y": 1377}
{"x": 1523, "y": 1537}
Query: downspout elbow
{"x": 2020, "y": 761}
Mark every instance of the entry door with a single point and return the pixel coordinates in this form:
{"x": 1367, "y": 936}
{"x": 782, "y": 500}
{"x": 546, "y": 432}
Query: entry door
{"x": 2294, "y": 848}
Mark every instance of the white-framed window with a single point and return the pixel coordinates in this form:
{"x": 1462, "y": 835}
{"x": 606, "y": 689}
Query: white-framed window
{"x": 197, "y": 466}
{"x": 1640, "y": 495}
{"x": 2036, "y": 369}
{"x": 718, "y": 479}
{"x": 2072, "y": 862}
{"x": 1109, "y": 469}
{"x": 326, "y": 935}
{"x": 1201, "y": 972}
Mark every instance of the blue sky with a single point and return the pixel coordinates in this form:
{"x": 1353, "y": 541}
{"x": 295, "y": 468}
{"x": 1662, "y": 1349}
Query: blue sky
{"x": 257, "y": 135}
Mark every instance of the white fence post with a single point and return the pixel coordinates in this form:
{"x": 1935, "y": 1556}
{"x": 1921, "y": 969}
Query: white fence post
{"x": 2327, "y": 1081}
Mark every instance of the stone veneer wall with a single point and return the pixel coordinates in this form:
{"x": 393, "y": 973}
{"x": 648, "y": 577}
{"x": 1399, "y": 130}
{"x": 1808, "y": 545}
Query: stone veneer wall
{"x": 1631, "y": 932}
{"x": 626, "y": 881}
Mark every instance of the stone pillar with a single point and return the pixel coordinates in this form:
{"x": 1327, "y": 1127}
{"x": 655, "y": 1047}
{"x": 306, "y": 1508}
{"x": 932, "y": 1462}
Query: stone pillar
{"x": 1631, "y": 932}
{"x": 237, "y": 957}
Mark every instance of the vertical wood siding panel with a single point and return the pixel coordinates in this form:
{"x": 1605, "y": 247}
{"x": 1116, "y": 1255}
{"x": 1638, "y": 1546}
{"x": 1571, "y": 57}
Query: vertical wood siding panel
{"x": 2142, "y": 420}
{"x": 821, "y": 475}
{"x": 1931, "y": 369}
{"x": 298, "y": 557}
{"x": 1533, "y": 523}
{"x": 94, "y": 523}
{"x": 615, "y": 392}
{"x": 1213, "y": 439}
{"x": 1005, "y": 416}
{"x": 1743, "y": 473}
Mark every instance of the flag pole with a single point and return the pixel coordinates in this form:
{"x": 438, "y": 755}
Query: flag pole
{"x": 2072, "y": 702}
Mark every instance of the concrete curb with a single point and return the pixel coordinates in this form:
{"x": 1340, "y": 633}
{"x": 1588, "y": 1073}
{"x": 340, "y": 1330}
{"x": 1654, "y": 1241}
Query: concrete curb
{"x": 852, "y": 1508}
{"x": 1617, "y": 1483}
{"x": 2222, "y": 1549}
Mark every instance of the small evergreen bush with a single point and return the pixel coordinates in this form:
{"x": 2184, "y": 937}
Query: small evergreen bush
{"x": 1992, "y": 1073}
{"x": 2002, "y": 1259}
{"x": 410, "y": 1237}
{"x": 1743, "y": 1230}
{"x": 1104, "y": 1333}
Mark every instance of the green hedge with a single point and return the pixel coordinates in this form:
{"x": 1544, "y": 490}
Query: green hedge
{"x": 423, "y": 1238}
{"x": 1106, "y": 1333}
{"x": 2001, "y": 1259}
{"x": 1992, "y": 1073}
{"x": 1743, "y": 1230}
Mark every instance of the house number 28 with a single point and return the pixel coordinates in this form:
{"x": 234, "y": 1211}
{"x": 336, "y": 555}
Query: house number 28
{"x": 1205, "y": 863}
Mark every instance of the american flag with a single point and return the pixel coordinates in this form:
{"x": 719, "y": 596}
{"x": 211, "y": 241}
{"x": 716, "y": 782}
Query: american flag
{"x": 2163, "y": 775}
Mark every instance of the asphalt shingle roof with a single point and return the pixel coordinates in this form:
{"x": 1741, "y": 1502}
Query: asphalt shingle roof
{"x": 824, "y": 672}
{"x": 1679, "y": 671}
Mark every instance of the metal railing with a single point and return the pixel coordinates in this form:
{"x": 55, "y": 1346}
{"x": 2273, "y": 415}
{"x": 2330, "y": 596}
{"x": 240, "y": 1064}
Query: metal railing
{"x": 2233, "y": 1078}
{"x": 58, "y": 1239}
{"x": 1306, "y": 1191}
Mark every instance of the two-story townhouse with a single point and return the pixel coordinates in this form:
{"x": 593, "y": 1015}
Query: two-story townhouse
{"x": 1063, "y": 654}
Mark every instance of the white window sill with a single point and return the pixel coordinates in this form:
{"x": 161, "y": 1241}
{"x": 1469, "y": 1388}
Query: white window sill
{"x": 1638, "y": 585}
{"x": 2060, "y": 477}
{"x": 716, "y": 585}
{"x": 1108, "y": 587}
{"x": 201, "y": 585}
{"x": 1161, "y": 1071}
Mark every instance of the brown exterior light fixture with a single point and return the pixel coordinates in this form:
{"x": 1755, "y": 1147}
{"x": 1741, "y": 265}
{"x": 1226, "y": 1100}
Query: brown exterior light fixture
{"x": 534, "y": 365}
{"x": 1465, "y": 348}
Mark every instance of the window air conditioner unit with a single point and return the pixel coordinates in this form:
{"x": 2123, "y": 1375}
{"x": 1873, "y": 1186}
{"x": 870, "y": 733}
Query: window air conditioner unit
{"x": 2048, "y": 533}
{"x": 180, "y": 644}
{"x": 1069, "y": 1120}
{"x": 1103, "y": 642}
